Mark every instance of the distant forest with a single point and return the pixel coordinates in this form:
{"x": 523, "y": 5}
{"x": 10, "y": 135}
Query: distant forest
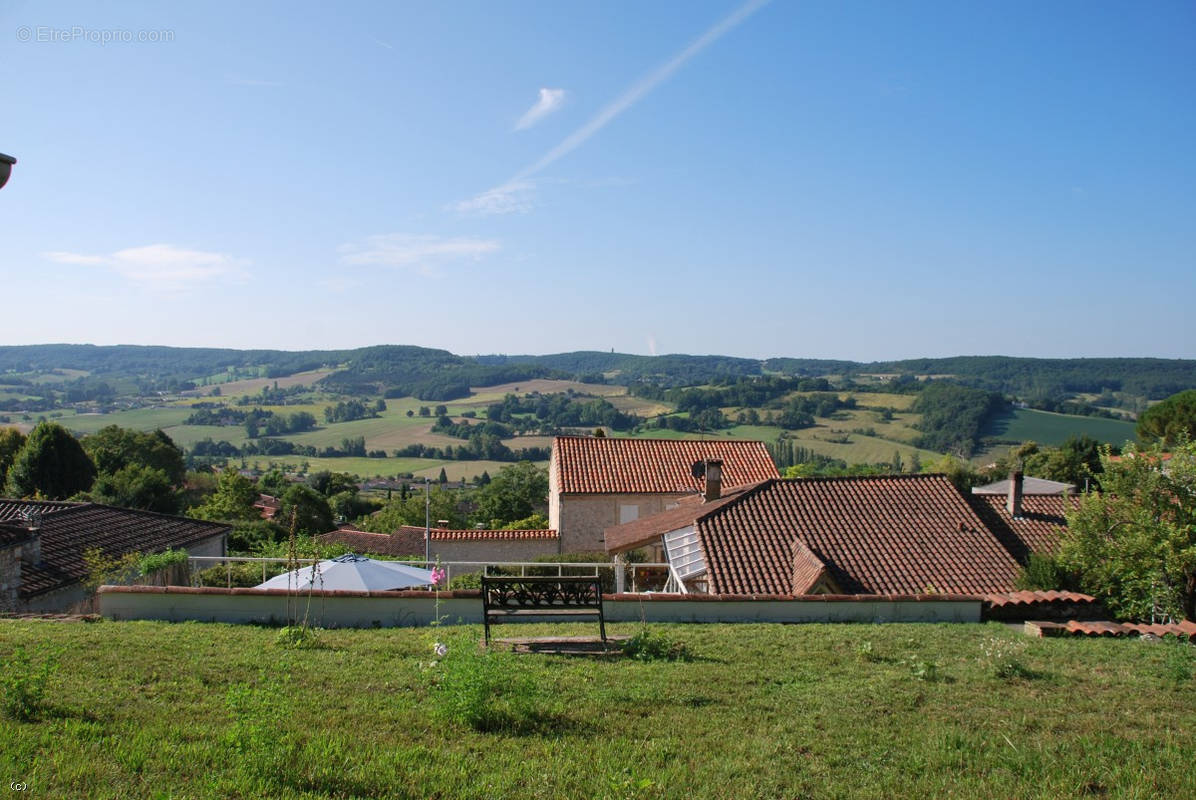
{"x": 430, "y": 374}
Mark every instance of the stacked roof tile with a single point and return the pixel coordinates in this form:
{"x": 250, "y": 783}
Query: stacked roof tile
{"x": 608, "y": 465}
{"x": 67, "y": 530}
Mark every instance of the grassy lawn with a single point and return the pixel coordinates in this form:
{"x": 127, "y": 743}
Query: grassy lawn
{"x": 1046, "y": 427}
{"x": 762, "y": 711}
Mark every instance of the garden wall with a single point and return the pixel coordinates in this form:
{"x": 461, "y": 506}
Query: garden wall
{"x": 412, "y": 608}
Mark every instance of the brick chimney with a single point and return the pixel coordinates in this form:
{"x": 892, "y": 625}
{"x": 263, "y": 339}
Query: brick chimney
{"x": 1013, "y": 504}
{"x": 714, "y": 479}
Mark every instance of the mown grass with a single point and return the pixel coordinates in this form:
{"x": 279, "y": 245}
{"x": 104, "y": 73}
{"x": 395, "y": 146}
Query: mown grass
{"x": 761, "y": 711}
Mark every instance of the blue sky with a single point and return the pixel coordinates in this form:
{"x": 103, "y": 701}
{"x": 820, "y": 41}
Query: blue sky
{"x": 842, "y": 180}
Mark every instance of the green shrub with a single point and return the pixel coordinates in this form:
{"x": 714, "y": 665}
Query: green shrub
{"x": 1043, "y": 573}
{"x": 24, "y": 685}
{"x": 648, "y": 646}
{"x": 156, "y": 562}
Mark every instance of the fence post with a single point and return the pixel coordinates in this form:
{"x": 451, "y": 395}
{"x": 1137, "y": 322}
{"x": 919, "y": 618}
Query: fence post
{"x": 620, "y": 576}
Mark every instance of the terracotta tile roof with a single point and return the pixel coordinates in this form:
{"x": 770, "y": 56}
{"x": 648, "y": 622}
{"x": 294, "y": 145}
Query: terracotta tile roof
{"x": 808, "y": 569}
{"x": 630, "y": 535}
{"x": 587, "y": 464}
{"x": 409, "y": 539}
{"x": 1038, "y": 528}
{"x": 894, "y": 534}
{"x": 68, "y": 529}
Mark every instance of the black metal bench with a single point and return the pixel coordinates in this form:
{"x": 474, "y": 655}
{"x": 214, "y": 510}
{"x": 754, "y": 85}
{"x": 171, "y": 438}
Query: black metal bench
{"x": 506, "y": 598}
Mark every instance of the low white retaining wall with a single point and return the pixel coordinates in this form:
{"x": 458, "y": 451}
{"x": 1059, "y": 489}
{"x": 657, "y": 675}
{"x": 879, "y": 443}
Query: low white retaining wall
{"x": 390, "y": 609}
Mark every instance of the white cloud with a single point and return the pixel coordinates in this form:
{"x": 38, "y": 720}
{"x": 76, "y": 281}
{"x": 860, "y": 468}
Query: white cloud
{"x": 550, "y": 100}
{"x": 161, "y": 266}
{"x": 420, "y": 252}
{"x": 510, "y": 198}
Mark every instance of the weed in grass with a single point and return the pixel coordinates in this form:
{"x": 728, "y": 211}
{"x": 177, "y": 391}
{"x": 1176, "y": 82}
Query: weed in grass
{"x": 24, "y": 685}
{"x": 867, "y": 651}
{"x": 648, "y": 646}
{"x": 625, "y": 786}
{"x": 1003, "y": 658}
{"x": 1179, "y": 661}
{"x": 298, "y": 637}
{"x": 485, "y": 691}
{"x": 923, "y": 669}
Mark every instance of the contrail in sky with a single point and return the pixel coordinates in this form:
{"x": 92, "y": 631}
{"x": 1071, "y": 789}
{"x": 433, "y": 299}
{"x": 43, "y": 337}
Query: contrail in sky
{"x": 485, "y": 201}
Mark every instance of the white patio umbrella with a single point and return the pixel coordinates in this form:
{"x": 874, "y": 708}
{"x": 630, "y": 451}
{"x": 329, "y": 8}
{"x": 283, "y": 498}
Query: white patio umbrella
{"x": 351, "y": 573}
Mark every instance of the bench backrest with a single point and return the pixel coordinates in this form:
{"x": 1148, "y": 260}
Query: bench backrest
{"x": 542, "y": 592}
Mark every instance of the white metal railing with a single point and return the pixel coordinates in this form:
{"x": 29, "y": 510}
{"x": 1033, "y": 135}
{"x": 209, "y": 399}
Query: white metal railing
{"x": 674, "y": 585}
{"x": 638, "y": 583}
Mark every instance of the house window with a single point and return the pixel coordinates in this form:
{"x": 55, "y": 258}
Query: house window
{"x": 628, "y": 513}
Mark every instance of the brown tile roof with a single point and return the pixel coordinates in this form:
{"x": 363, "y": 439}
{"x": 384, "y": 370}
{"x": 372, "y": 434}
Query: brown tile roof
{"x": 609, "y": 465}
{"x": 409, "y": 539}
{"x": 894, "y": 534}
{"x": 68, "y": 529}
{"x": 1038, "y": 528}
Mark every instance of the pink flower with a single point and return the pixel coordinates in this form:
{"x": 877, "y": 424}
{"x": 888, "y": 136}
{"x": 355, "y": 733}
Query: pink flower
{"x": 437, "y": 576}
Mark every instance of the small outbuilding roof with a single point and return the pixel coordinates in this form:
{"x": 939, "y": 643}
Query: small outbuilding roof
{"x": 67, "y": 530}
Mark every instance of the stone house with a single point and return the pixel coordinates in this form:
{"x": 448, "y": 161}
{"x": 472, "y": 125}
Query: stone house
{"x": 42, "y": 567}
{"x": 597, "y": 482}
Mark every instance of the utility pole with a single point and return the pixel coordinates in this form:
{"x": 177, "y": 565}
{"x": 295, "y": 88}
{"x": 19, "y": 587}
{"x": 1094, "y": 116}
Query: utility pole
{"x": 427, "y": 521}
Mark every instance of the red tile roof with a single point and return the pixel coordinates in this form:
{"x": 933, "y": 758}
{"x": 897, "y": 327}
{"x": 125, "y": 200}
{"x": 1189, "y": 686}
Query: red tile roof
{"x": 1036, "y": 530}
{"x": 609, "y": 465}
{"x": 478, "y": 534}
{"x": 409, "y": 539}
{"x": 69, "y": 529}
{"x": 894, "y": 534}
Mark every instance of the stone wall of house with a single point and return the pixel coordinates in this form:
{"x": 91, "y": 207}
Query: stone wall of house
{"x": 10, "y": 577}
{"x": 215, "y": 546}
{"x": 581, "y": 518}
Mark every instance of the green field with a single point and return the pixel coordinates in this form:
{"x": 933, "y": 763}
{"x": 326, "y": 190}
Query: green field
{"x": 383, "y": 467}
{"x": 1045, "y": 427}
{"x": 859, "y": 449}
{"x": 203, "y": 710}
